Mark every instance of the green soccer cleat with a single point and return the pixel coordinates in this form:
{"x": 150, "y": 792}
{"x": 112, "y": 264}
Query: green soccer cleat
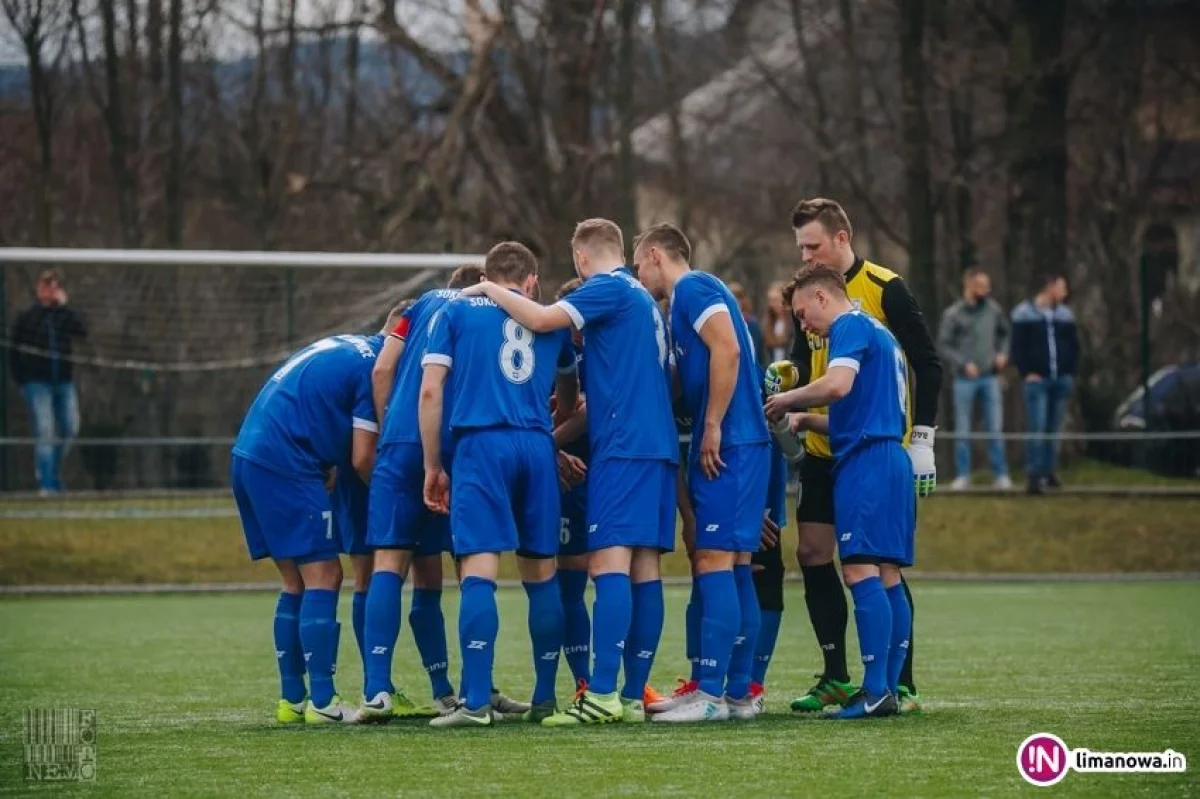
{"x": 405, "y": 708}
{"x": 288, "y": 713}
{"x": 633, "y": 711}
{"x": 589, "y": 709}
{"x": 539, "y": 712}
{"x": 910, "y": 701}
{"x": 462, "y": 717}
{"x": 825, "y": 693}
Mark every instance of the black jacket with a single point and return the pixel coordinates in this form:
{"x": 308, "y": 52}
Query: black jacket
{"x": 42, "y": 341}
{"x": 1044, "y": 342}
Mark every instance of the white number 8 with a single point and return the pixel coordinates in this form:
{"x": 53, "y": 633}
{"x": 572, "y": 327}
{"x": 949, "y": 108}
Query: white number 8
{"x": 516, "y": 356}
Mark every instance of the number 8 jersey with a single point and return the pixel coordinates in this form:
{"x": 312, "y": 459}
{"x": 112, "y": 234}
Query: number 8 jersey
{"x": 627, "y": 383}
{"x": 876, "y": 406}
{"x": 501, "y": 374}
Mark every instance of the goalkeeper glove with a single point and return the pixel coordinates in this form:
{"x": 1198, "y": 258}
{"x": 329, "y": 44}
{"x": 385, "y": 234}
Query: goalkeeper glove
{"x": 920, "y": 450}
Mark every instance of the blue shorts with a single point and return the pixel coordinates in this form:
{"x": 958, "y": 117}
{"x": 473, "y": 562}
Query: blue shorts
{"x": 283, "y": 518}
{"x": 572, "y": 531}
{"x": 631, "y": 503}
{"x": 777, "y": 486}
{"x": 504, "y": 493}
{"x": 729, "y": 508}
{"x": 875, "y": 509}
{"x": 397, "y": 517}
{"x": 350, "y": 496}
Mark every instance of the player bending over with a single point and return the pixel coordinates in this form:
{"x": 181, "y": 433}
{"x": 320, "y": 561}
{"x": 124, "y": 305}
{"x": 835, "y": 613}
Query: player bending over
{"x": 400, "y": 529}
{"x": 865, "y": 387}
{"x": 727, "y": 469}
{"x": 631, "y": 477}
{"x": 503, "y": 494}
{"x": 314, "y": 413}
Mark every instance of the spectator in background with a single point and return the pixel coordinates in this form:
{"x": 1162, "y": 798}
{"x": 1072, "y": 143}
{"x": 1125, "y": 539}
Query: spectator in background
{"x": 1045, "y": 350}
{"x": 756, "y": 334}
{"x": 777, "y": 332}
{"x": 42, "y": 341}
{"x": 973, "y": 340}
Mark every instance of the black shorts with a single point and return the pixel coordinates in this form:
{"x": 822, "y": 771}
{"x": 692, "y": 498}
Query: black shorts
{"x": 816, "y": 491}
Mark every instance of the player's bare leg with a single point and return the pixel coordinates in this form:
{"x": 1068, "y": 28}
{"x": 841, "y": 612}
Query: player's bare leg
{"x": 546, "y": 624}
{"x": 382, "y": 630}
{"x": 478, "y": 624}
{"x": 289, "y": 652}
{"x": 825, "y": 600}
{"x": 319, "y": 633}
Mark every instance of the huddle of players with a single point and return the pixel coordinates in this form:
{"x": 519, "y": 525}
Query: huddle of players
{"x": 471, "y": 460}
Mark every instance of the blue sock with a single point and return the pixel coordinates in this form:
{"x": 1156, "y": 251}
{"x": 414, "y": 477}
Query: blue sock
{"x": 692, "y": 616}
{"x": 478, "y": 624}
{"x": 381, "y": 628}
{"x": 358, "y": 616}
{"x": 718, "y": 629}
{"x": 319, "y": 634}
{"x": 577, "y": 627}
{"x": 741, "y": 662}
{"x": 645, "y": 630}
{"x": 768, "y": 634}
{"x": 546, "y": 633}
{"x": 873, "y": 616}
{"x": 289, "y": 652}
{"x": 901, "y": 633}
{"x": 611, "y": 614}
{"x": 429, "y": 630}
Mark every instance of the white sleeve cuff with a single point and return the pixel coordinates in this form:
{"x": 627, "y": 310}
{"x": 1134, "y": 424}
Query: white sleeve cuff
{"x": 573, "y": 312}
{"x": 709, "y": 312}
{"x": 437, "y": 359}
{"x": 848, "y": 363}
{"x": 364, "y": 424}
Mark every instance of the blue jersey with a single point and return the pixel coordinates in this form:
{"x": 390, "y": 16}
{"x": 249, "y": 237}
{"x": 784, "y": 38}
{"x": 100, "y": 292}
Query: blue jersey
{"x": 507, "y": 371}
{"x": 697, "y": 297}
{"x": 875, "y": 408}
{"x": 628, "y": 383}
{"x": 400, "y": 423}
{"x": 301, "y": 421}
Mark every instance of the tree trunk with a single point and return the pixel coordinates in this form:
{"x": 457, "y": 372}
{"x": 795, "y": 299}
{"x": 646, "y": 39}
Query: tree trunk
{"x": 680, "y": 173}
{"x": 915, "y": 123}
{"x": 118, "y": 140}
{"x": 174, "y": 176}
{"x": 627, "y": 189}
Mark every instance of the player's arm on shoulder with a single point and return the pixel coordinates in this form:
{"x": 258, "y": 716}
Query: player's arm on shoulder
{"x": 907, "y": 324}
{"x": 527, "y": 313}
{"x": 383, "y": 374}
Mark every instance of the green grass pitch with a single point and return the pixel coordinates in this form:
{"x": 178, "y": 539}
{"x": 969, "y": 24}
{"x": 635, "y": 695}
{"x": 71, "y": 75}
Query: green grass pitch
{"x": 184, "y": 687}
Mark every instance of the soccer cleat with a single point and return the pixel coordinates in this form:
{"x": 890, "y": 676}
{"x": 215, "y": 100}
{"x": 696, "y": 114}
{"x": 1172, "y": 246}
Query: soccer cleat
{"x": 826, "y": 692}
{"x": 589, "y": 709}
{"x": 379, "y": 710}
{"x": 758, "y": 693}
{"x": 462, "y": 717}
{"x": 650, "y": 696}
{"x": 405, "y": 708}
{"x": 698, "y": 707}
{"x": 633, "y": 711}
{"x": 681, "y": 694}
{"x": 580, "y": 689}
{"x": 742, "y": 709}
{"x": 446, "y": 705}
{"x": 910, "y": 701}
{"x": 333, "y": 713}
{"x": 862, "y": 706}
{"x": 504, "y": 706}
{"x": 289, "y": 713}
{"x": 539, "y": 712}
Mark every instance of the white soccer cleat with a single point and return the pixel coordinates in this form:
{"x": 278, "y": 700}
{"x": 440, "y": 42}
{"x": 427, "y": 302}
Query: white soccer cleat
{"x": 701, "y": 707}
{"x": 377, "y": 711}
{"x": 684, "y": 693}
{"x": 744, "y": 709}
{"x": 1003, "y": 483}
{"x": 336, "y": 712}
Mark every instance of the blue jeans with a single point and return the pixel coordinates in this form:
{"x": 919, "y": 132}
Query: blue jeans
{"x": 987, "y": 391}
{"x": 55, "y": 411}
{"x": 1045, "y": 405}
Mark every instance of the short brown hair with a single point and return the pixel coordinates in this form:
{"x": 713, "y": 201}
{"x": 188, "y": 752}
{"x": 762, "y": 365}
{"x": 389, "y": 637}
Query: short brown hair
{"x": 510, "y": 262}
{"x": 829, "y": 213}
{"x": 568, "y": 287}
{"x": 463, "y": 276}
{"x": 667, "y": 238}
{"x": 50, "y": 275}
{"x": 815, "y": 274}
{"x": 599, "y": 234}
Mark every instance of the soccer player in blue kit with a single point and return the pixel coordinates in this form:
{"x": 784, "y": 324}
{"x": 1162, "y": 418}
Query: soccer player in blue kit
{"x": 727, "y": 472}
{"x": 865, "y": 387}
{"x": 314, "y": 413}
{"x": 503, "y": 493}
{"x": 631, "y": 477}
{"x": 402, "y": 532}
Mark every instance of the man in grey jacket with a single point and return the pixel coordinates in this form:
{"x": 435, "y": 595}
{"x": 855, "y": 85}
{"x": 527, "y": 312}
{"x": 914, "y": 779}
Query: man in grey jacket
{"x": 973, "y": 340}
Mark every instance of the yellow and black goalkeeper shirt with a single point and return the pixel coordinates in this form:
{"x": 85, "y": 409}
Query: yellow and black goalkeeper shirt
{"x": 880, "y": 292}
